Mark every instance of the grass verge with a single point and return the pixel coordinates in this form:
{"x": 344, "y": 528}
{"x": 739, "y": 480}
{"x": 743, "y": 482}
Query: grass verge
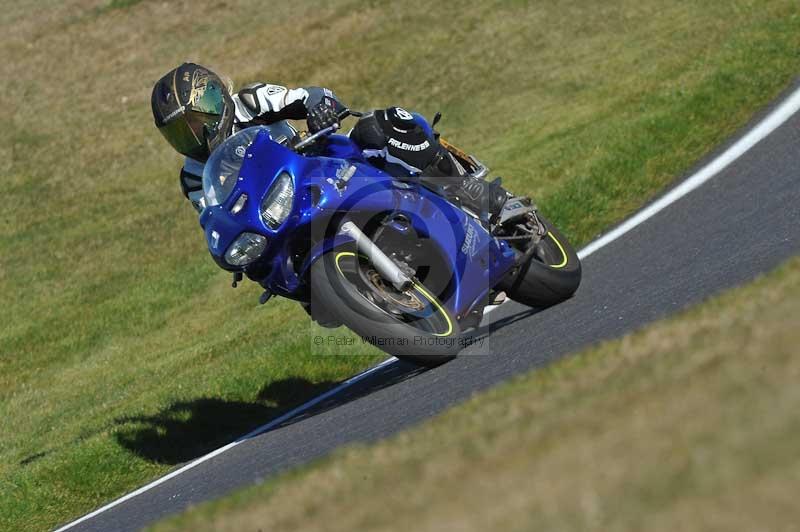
{"x": 123, "y": 351}
{"x": 690, "y": 424}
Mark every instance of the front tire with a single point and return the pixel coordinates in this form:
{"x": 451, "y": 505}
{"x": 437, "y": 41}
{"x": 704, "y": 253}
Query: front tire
{"x": 411, "y": 325}
{"x": 551, "y": 276}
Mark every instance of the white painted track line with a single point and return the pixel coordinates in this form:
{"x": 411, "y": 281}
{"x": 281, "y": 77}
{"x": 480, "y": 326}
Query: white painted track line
{"x": 773, "y": 120}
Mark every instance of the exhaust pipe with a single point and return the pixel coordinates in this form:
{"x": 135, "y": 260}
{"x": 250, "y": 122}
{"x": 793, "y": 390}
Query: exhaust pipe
{"x": 385, "y": 266}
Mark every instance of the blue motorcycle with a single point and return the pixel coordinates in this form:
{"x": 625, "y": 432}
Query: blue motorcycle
{"x": 400, "y": 264}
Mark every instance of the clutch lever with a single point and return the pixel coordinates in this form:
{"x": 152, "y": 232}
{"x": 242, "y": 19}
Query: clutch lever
{"x": 349, "y": 112}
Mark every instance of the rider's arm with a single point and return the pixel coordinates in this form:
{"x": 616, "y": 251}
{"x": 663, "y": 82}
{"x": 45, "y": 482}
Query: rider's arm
{"x": 265, "y": 104}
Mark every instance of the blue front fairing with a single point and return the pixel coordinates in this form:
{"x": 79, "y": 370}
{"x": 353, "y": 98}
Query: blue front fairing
{"x": 475, "y": 259}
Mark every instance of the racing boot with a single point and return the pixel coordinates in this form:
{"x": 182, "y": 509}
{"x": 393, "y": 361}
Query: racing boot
{"x": 483, "y": 198}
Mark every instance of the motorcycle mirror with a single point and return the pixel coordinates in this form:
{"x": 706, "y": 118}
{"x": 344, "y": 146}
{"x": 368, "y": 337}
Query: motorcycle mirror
{"x": 436, "y": 118}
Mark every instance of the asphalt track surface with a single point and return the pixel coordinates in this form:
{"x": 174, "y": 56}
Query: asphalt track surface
{"x": 742, "y": 222}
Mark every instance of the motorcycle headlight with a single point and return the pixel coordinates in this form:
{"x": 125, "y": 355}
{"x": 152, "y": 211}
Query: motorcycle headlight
{"x": 245, "y": 249}
{"x": 277, "y": 204}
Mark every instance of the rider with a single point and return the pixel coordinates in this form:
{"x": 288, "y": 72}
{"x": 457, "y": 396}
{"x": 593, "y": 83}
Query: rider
{"x": 195, "y": 110}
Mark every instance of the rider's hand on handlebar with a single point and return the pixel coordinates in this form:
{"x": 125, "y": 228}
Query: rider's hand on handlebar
{"x": 322, "y": 115}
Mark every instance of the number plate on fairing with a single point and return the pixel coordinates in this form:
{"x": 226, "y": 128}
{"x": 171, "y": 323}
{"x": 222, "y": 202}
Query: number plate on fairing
{"x": 515, "y": 208}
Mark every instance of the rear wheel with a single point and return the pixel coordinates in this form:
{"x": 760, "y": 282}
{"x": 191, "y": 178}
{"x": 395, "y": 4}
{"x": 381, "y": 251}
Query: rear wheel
{"x": 410, "y": 324}
{"x": 551, "y": 276}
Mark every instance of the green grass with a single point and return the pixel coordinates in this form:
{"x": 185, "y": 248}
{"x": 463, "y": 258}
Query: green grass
{"x": 115, "y": 4}
{"x": 690, "y": 424}
{"x": 124, "y": 351}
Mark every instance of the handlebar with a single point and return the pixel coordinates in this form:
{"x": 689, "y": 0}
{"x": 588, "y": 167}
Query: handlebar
{"x": 326, "y": 131}
{"x": 313, "y": 138}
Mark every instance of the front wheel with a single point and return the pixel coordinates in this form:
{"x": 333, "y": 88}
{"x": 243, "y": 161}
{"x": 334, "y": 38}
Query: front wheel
{"x": 551, "y": 276}
{"x": 411, "y": 324}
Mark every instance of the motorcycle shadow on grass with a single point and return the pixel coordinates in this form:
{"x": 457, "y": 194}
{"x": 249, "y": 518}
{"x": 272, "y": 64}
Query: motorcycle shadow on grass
{"x": 186, "y": 430}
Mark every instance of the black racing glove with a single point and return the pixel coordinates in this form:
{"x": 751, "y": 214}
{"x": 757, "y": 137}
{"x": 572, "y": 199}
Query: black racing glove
{"x": 322, "y": 115}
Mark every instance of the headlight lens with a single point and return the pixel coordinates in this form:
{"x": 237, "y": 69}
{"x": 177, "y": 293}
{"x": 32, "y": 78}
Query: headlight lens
{"x": 278, "y": 202}
{"x": 245, "y": 249}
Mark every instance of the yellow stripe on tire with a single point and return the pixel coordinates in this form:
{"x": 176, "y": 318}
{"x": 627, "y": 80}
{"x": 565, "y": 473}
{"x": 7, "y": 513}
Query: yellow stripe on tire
{"x": 339, "y": 256}
{"x": 561, "y": 249}
{"x": 436, "y": 304}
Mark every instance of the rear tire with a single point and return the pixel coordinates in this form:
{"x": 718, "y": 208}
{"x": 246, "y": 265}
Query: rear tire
{"x": 551, "y": 276}
{"x": 334, "y": 288}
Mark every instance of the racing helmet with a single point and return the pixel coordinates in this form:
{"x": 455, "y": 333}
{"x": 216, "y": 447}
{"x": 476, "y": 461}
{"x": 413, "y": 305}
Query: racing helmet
{"x": 193, "y": 109}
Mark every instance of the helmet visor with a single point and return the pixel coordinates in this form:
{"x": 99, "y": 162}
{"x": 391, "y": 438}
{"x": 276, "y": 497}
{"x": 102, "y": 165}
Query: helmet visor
{"x": 208, "y": 97}
{"x": 187, "y": 133}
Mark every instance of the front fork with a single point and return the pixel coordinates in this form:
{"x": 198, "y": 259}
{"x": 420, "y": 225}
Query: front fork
{"x": 385, "y": 266}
